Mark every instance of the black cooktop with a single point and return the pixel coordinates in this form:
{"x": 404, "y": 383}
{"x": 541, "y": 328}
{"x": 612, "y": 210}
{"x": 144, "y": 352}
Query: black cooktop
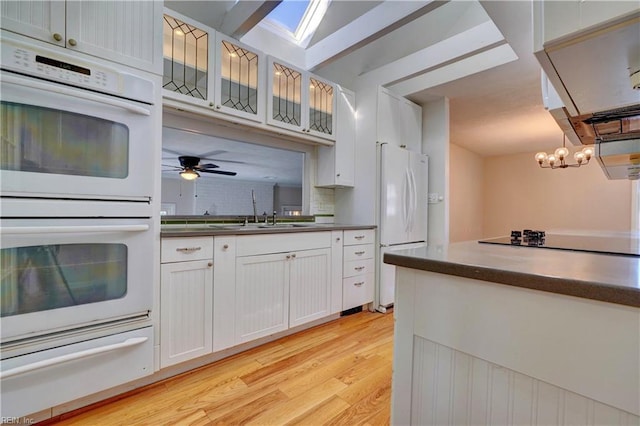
{"x": 616, "y": 245}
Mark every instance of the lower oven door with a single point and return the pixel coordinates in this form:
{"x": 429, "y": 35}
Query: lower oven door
{"x": 60, "y": 274}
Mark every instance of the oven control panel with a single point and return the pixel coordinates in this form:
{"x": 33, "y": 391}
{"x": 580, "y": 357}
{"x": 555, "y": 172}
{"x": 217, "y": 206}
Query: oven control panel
{"x": 52, "y": 66}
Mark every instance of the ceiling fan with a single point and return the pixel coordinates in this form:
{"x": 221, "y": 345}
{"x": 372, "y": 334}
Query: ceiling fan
{"x": 191, "y": 168}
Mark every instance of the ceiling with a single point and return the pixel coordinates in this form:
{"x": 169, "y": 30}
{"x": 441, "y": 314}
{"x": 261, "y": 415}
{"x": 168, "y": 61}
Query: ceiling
{"x": 477, "y": 54}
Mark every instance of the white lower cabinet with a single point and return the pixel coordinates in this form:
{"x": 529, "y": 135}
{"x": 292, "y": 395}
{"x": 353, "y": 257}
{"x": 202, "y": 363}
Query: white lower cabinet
{"x": 309, "y": 286}
{"x": 186, "y": 299}
{"x": 358, "y": 268}
{"x": 262, "y": 295}
{"x": 282, "y": 281}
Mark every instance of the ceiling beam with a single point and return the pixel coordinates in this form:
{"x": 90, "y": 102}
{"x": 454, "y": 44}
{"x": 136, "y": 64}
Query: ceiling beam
{"x": 377, "y": 22}
{"x": 245, "y": 15}
{"x": 462, "y": 44}
{"x": 473, "y": 64}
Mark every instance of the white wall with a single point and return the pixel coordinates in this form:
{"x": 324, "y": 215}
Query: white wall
{"x": 466, "y": 175}
{"x": 492, "y": 196}
{"x": 217, "y": 196}
{"x": 520, "y": 195}
{"x": 435, "y": 143}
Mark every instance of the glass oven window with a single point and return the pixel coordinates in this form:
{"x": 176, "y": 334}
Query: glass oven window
{"x": 45, "y": 140}
{"x": 44, "y": 277}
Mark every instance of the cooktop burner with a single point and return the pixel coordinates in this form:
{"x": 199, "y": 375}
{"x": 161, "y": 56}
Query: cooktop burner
{"x": 616, "y": 245}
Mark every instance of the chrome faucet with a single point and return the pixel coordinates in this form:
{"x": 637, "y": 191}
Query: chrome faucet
{"x": 255, "y": 212}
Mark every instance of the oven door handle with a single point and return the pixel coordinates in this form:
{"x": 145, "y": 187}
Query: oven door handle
{"x": 61, "y": 90}
{"x": 70, "y": 357}
{"x": 71, "y": 229}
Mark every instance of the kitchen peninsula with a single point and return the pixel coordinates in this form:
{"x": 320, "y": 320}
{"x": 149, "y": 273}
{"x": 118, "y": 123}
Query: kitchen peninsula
{"x": 490, "y": 334}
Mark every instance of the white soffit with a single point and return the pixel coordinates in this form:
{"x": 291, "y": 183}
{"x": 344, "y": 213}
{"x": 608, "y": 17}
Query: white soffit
{"x": 480, "y": 62}
{"x": 480, "y": 37}
{"x": 367, "y": 25}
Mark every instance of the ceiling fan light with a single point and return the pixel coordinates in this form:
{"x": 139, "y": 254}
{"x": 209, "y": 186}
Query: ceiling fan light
{"x": 189, "y": 174}
{"x": 588, "y": 152}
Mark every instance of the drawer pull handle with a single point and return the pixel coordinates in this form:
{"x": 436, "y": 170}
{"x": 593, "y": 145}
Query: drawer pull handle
{"x": 359, "y": 268}
{"x": 359, "y": 237}
{"x": 359, "y": 253}
{"x": 359, "y": 284}
{"x": 132, "y": 341}
{"x": 188, "y": 249}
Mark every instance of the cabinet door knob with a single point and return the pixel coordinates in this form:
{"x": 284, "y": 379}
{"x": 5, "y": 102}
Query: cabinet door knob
{"x": 57, "y": 37}
{"x": 72, "y": 42}
{"x": 218, "y": 107}
{"x": 338, "y": 239}
{"x": 288, "y": 256}
{"x": 226, "y": 246}
{"x": 338, "y": 174}
{"x": 210, "y": 264}
{"x": 211, "y": 104}
{"x": 293, "y": 255}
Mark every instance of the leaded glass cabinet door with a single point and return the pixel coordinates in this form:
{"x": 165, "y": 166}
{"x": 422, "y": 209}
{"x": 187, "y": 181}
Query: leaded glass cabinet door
{"x": 239, "y": 79}
{"x": 321, "y": 108}
{"x": 187, "y": 62}
{"x": 287, "y": 96}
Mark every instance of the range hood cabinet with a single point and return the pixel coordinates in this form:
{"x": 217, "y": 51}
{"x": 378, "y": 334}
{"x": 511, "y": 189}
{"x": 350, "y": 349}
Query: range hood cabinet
{"x": 619, "y": 159}
{"x": 595, "y": 72}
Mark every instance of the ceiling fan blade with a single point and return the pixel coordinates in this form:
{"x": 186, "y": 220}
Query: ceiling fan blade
{"x": 219, "y": 172}
{"x": 207, "y": 166}
{"x": 215, "y": 152}
{"x": 219, "y": 160}
{"x": 173, "y": 167}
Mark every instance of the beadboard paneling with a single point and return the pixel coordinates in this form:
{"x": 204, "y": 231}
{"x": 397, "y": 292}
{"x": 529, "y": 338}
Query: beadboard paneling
{"x": 453, "y": 388}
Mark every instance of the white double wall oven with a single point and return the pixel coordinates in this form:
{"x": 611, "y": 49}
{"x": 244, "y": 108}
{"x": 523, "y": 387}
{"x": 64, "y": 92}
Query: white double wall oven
{"x": 76, "y": 223}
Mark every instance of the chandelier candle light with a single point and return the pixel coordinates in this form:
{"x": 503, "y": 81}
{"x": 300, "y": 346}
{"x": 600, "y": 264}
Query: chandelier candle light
{"x": 557, "y": 160}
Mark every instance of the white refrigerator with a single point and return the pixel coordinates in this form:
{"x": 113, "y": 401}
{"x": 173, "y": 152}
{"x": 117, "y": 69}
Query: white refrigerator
{"x": 403, "y": 206}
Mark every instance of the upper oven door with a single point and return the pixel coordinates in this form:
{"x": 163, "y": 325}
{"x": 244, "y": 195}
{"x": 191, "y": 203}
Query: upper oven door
{"x": 58, "y": 274}
{"x": 63, "y": 142}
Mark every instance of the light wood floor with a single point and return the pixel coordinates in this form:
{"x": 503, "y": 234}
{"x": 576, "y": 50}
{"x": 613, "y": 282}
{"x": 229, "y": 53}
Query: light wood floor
{"x": 337, "y": 373}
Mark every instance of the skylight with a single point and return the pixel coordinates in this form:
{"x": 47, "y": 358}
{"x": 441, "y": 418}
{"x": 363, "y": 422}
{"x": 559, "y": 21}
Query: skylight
{"x": 296, "y": 20}
{"x": 289, "y": 13}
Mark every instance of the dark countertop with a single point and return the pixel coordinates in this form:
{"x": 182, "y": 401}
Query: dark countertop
{"x": 168, "y": 231}
{"x": 606, "y": 278}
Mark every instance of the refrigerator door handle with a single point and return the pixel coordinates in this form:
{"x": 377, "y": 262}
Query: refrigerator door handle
{"x": 414, "y": 198}
{"x": 406, "y": 202}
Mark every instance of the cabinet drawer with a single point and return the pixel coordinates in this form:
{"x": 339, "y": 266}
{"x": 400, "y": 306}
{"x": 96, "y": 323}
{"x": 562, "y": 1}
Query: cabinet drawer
{"x": 357, "y": 267}
{"x": 184, "y": 249}
{"x": 357, "y": 291}
{"x": 251, "y": 245}
{"x": 75, "y": 371}
{"x": 361, "y": 251}
{"x": 359, "y": 236}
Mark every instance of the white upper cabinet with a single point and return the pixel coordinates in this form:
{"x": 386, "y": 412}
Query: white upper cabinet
{"x": 300, "y": 101}
{"x": 239, "y": 79}
{"x": 206, "y": 68}
{"x": 399, "y": 121}
{"x": 336, "y": 164}
{"x": 120, "y": 31}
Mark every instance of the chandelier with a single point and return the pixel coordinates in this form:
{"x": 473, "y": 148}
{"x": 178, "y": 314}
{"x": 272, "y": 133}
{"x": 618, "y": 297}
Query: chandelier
{"x": 558, "y": 160}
